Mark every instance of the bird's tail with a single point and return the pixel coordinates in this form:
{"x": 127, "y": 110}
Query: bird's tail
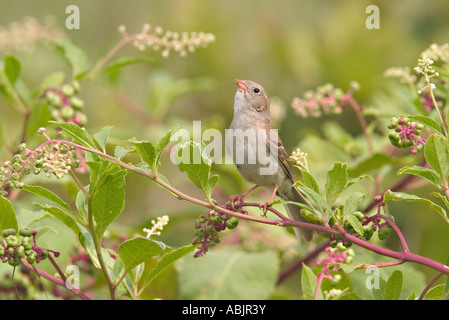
{"x": 294, "y": 213}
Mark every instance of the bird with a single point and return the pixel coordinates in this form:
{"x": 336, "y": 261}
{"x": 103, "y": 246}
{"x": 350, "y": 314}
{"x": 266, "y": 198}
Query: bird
{"x": 252, "y": 115}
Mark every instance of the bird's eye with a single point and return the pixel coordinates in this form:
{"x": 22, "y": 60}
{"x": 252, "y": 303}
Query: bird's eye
{"x": 256, "y": 90}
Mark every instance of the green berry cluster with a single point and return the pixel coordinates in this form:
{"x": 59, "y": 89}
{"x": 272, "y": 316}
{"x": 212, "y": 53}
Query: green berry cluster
{"x": 325, "y": 100}
{"x": 66, "y": 106}
{"x": 16, "y": 247}
{"x": 367, "y": 226}
{"x": 208, "y": 227}
{"x": 406, "y": 133}
{"x": 11, "y": 172}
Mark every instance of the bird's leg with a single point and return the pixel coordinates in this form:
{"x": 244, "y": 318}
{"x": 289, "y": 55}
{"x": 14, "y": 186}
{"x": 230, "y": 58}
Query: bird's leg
{"x": 242, "y": 196}
{"x": 265, "y": 205}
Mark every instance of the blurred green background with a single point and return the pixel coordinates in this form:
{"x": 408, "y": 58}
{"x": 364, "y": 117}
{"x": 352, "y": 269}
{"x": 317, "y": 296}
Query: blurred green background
{"x": 288, "y": 46}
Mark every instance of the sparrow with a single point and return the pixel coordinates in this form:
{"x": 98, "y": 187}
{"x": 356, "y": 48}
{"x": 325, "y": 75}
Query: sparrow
{"x": 252, "y": 114}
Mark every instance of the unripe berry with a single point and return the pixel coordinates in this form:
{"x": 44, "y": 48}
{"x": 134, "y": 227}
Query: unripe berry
{"x": 8, "y": 232}
{"x": 26, "y": 232}
{"x": 232, "y": 223}
{"x": 383, "y": 233}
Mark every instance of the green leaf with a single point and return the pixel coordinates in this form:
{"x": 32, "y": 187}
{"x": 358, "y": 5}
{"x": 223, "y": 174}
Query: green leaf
{"x": 393, "y": 288}
{"x": 62, "y": 216}
{"x": 437, "y": 155}
{"x": 337, "y": 179}
{"x": 102, "y": 136}
{"x": 74, "y": 55}
{"x": 124, "y": 61}
{"x": 47, "y": 194}
{"x": 379, "y": 293}
{"x": 355, "y": 223}
{"x": 8, "y": 218}
{"x": 398, "y": 196}
{"x": 166, "y": 260}
{"x": 107, "y": 194}
{"x": 12, "y": 68}
{"x": 137, "y": 250}
{"x": 316, "y": 199}
{"x": 425, "y": 173}
{"x": 150, "y": 153}
{"x": 309, "y": 181}
{"x": 353, "y": 203}
{"x": 197, "y": 166}
{"x": 78, "y": 134}
{"x": 120, "y": 152}
{"x": 309, "y": 283}
{"x": 228, "y": 275}
{"x": 355, "y": 180}
{"x": 427, "y": 121}
{"x": 436, "y": 293}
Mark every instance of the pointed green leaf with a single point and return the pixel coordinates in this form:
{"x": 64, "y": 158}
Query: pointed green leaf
{"x": 151, "y": 154}
{"x": 393, "y": 288}
{"x": 77, "y": 133}
{"x": 425, "y": 173}
{"x": 12, "y": 68}
{"x": 166, "y": 260}
{"x": 120, "y": 152}
{"x": 47, "y": 194}
{"x": 427, "y": 121}
{"x": 355, "y": 223}
{"x": 197, "y": 166}
{"x": 436, "y": 293}
{"x": 62, "y": 216}
{"x": 8, "y": 218}
{"x": 398, "y": 196}
{"x": 353, "y": 203}
{"x": 379, "y": 293}
{"x": 102, "y": 136}
{"x": 107, "y": 195}
{"x": 146, "y": 151}
{"x": 437, "y": 155}
{"x": 309, "y": 181}
{"x": 337, "y": 179}
{"x": 309, "y": 283}
{"x": 135, "y": 251}
{"x": 316, "y": 199}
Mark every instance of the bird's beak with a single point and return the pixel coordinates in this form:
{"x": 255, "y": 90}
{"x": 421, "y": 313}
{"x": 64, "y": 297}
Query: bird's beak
{"x": 241, "y": 84}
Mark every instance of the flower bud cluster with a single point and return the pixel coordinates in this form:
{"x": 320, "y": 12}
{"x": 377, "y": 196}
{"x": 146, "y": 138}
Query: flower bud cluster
{"x": 208, "y": 227}
{"x": 325, "y": 100}
{"x": 331, "y": 264}
{"x": 406, "y": 133}
{"x": 52, "y": 158}
{"x": 425, "y": 68}
{"x": 167, "y": 40}
{"x": 299, "y": 160}
{"x": 65, "y": 105}
{"x": 16, "y": 247}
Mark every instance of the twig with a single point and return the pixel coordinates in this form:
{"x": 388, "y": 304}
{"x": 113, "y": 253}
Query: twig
{"x": 55, "y": 280}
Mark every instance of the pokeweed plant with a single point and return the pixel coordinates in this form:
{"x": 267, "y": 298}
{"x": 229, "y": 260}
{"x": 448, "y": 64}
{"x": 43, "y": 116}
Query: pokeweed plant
{"x": 339, "y": 218}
